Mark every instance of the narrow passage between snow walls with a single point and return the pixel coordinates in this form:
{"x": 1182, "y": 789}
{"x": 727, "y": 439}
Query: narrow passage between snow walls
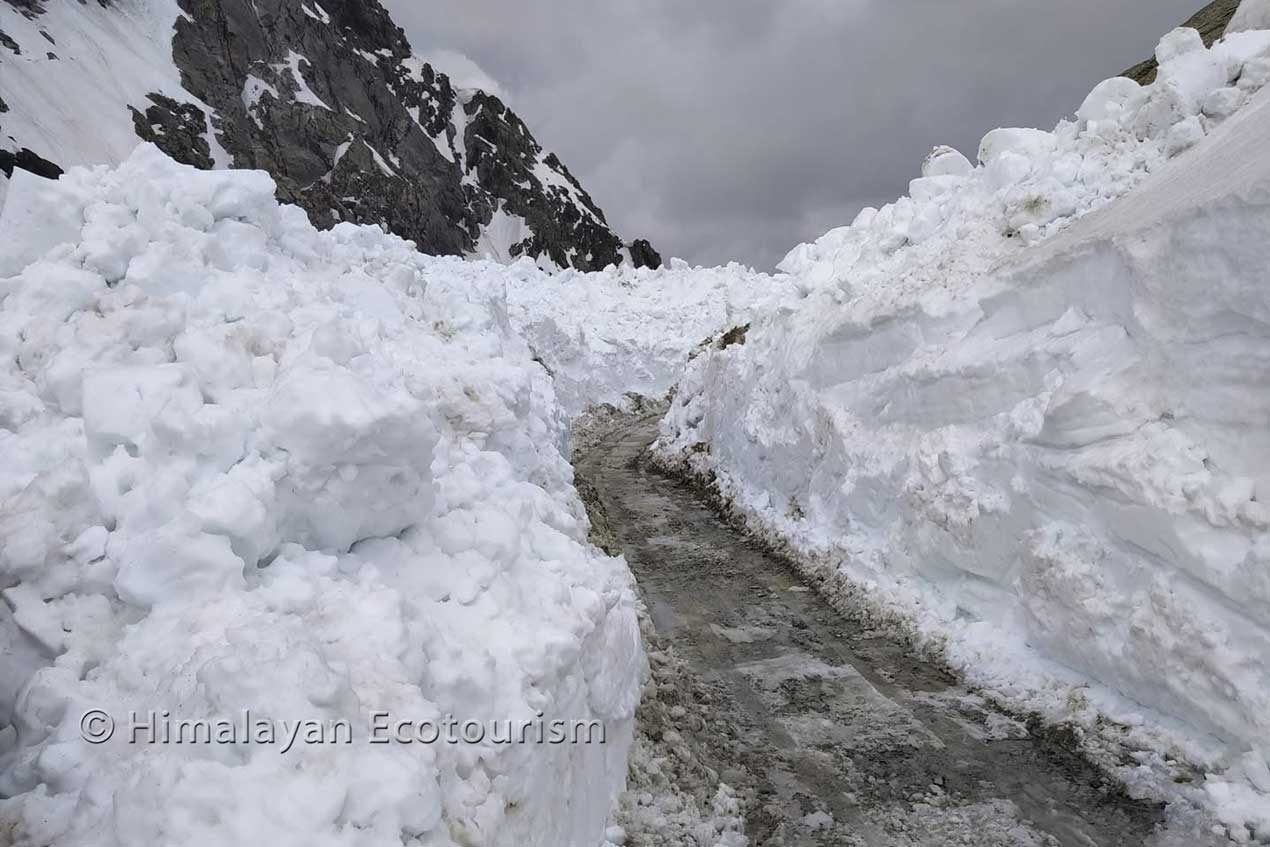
{"x": 773, "y": 718}
{"x": 1024, "y": 411}
{"x": 1019, "y": 416}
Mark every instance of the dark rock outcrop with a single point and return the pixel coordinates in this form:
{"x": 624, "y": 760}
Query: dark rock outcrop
{"x": 1210, "y": 21}
{"x": 30, "y": 8}
{"x": 178, "y": 128}
{"x": 28, "y": 161}
{"x": 568, "y": 227}
{"x": 643, "y": 255}
{"x": 323, "y": 96}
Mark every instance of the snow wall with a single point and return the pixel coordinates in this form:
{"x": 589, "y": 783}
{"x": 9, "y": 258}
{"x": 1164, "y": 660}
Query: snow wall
{"x": 1036, "y": 422}
{"x": 250, "y": 466}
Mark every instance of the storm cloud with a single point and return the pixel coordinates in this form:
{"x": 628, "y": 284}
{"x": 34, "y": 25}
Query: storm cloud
{"x": 735, "y": 129}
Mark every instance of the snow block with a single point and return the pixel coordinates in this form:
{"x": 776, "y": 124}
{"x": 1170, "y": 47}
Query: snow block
{"x": 1251, "y": 15}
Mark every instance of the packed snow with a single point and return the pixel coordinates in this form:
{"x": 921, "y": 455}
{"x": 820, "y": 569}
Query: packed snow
{"x": 248, "y": 465}
{"x": 630, "y": 331}
{"x": 1031, "y": 418}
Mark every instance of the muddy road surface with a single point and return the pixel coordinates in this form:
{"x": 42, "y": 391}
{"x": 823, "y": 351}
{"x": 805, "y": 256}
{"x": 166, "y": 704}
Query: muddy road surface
{"x": 831, "y": 733}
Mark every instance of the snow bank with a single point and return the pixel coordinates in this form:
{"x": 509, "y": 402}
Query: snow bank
{"x": 247, "y": 465}
{"x": 630, "y": 330}
{"x": 1053, "y": 458}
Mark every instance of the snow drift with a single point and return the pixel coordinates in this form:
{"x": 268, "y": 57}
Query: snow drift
{"x": 1044, "y": 442}
{"x": 630, "y": 330}
{"x": 247, "y": 465}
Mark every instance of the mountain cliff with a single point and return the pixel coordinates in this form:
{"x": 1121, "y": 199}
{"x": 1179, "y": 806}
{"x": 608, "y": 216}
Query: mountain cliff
{"x": 327, "y": 96}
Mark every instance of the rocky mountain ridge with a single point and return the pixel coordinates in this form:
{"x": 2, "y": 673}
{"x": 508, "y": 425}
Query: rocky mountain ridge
{"x": 327, "y": 96}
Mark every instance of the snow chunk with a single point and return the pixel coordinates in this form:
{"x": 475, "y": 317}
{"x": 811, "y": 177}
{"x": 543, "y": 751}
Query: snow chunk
{"x": 1251, "y": 15}
{"x": 1032, "y": 143}
{"x": 1184, "y": 136}
{"x": 1111, "y": 100}
{"x": 1179, "y": 42}
{"x": 946, "y": 161}
{"x": 358, "y": 458}
{"x": 1223, "y": 102}
{"x": 35, "y": 218}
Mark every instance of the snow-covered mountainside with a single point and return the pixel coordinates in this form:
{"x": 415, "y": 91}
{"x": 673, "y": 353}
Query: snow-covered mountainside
{"x": 249, "y": 466}
{"x": 1034, "y": 421}
{"x": 325, "y": 95}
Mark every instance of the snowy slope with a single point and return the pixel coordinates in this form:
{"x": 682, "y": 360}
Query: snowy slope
{"x": 1044, "y": 443}
{"x": 247, "y": 465}
{"x": 70, "y": 74}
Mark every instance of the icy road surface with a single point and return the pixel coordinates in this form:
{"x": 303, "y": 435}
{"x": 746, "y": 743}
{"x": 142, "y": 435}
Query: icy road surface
{"x": 832, "y": 732}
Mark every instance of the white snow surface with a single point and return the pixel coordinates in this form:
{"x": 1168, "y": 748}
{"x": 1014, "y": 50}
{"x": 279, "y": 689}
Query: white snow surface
{"x": 630, "y": 330}
{"x": 1033, "y": 421}
{"x": 248, "y": 465}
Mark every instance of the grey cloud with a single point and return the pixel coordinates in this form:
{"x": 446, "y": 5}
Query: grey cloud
{"x": 734, "y": 129}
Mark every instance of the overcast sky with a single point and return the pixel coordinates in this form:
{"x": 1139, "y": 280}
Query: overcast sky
{"x": 735, "y": 129}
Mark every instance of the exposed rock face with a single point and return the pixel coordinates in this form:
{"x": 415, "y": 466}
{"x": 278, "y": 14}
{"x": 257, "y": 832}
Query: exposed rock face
{"x": 328, "y": 97}
{"x": 509, "y": 164}
{"x": 1210, "y": 21}
{"x": 30, "y": 8}
{"x": 643, "y": 255}
{"x": 180, "y": 129}
{"x": 28, "y": 161}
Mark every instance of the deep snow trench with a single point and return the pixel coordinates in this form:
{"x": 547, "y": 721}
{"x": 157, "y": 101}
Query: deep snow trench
{"x": 831, "y": 731}
{"x": 249, "y": 465}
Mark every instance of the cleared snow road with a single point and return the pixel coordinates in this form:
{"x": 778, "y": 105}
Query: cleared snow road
{"x": 831, "y": 731}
